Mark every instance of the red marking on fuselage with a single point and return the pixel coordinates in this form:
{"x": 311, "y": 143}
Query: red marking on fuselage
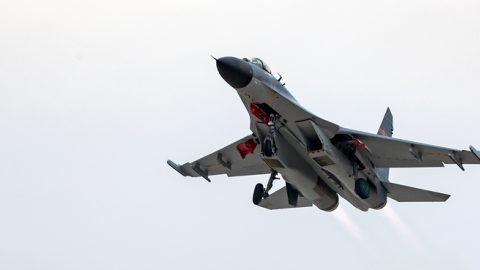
{"x": 259, "y": 113}
{"x": 246, "y": 148}
{"x": 383, "y": 132}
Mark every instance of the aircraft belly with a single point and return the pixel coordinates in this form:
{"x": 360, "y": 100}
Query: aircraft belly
{"x": 300, "y": 174}
{"x": 299, "y": 168}
{"x": 334, "y": 171}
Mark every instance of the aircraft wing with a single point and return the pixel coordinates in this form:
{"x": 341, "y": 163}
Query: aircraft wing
{"x": 388, "y": 152}
{"x": 238, "y": 159}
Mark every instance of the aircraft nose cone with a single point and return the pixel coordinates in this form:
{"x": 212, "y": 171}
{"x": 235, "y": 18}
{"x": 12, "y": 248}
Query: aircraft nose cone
{"x": 234, "y": 71}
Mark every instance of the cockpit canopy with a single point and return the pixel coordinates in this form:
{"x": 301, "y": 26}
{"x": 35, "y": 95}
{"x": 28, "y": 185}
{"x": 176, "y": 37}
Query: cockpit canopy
{"x": 259, "y": 63}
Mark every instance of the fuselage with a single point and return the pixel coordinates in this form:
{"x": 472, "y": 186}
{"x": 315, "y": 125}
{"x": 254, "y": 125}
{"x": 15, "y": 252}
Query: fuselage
{"x": 310, "y": 155}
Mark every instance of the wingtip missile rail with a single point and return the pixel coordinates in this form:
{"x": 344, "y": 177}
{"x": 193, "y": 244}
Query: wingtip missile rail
{"x": 475, "y": 152}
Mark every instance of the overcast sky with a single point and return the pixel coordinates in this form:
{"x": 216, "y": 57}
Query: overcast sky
{"x": 95, "y": 96}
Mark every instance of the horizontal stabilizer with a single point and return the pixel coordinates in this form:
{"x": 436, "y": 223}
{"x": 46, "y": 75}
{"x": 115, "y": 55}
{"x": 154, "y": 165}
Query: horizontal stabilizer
{"x": 279, "y": 200}
{"x": 402, "y": 193}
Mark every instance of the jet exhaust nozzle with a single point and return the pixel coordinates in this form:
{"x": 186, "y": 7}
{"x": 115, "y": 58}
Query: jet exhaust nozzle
{"x": 237, "y": 73}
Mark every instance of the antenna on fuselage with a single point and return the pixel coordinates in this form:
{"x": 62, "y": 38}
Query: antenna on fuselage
{"x": 214, "y": 57}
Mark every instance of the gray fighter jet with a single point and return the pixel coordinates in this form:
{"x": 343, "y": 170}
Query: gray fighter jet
{"x": 318, "y": 160}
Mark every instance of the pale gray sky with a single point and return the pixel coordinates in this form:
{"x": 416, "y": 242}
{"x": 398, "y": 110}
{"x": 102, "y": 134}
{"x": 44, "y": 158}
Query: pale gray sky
{"x": 95, "y": 96}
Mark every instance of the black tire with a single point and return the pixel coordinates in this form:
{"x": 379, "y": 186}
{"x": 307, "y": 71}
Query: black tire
{"x": 267, "y": 148}
{"x": 362, "y": 188}
{"x": 257, "y": 194}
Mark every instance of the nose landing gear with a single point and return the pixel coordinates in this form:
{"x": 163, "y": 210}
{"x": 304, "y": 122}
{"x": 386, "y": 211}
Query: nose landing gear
{"x": 269, "y": 147}
{"x": 259, "y": 192}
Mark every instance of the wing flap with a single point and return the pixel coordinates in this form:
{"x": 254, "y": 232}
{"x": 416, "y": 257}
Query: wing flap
{"x": 401, "y": 193}
{"x": 279, "y": 200}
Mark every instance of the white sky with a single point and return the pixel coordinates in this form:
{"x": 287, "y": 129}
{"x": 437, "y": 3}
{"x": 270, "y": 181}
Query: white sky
{"x": 95, "y": 96}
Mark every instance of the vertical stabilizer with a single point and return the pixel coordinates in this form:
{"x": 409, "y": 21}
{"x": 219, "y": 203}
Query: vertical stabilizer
{"x": 386, "y": 129}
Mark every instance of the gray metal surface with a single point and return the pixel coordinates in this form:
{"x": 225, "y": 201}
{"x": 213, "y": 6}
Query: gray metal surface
{"x": 402, "y": 193}
{"x": 279, "y": 200}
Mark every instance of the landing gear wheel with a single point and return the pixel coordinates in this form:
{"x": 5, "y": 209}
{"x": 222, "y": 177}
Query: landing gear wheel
{"x": 267, "y": 148}
{"x": 257, "y": 194}
{"x": 362, "y": 188}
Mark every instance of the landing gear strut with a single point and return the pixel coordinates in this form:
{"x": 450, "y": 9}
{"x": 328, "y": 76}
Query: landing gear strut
{"x": 269, "y": 148}
{"x": 273, "y": 177}
{"x": 260, "y": 192}
{"x": 344, "y": 144}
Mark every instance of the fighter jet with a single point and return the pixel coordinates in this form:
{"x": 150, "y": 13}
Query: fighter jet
{"x": 318, "y": 160}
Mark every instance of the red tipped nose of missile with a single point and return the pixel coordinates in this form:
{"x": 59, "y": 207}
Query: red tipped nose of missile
{"x": 234, "y": 71}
